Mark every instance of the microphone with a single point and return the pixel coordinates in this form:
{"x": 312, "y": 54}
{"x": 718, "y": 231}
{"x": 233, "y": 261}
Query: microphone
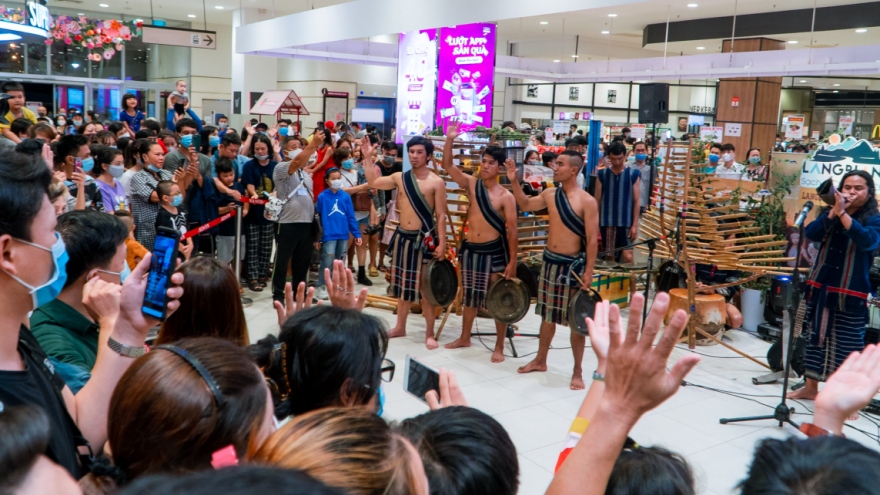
{"x": 675, "y": 231}
{"x": 803, "y": 214}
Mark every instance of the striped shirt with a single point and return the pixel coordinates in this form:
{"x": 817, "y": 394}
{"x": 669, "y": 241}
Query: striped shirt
{"x": 616, "y": 209}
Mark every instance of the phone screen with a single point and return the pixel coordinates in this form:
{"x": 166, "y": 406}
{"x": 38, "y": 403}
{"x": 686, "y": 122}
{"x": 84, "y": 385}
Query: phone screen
{"x": 420, "y": 379}
{"x": 161, "y": 268}
{"x": 197, "y": 141}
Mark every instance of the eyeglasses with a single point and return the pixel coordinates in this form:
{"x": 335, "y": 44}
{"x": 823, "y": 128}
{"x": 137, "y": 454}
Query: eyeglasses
{"x": 387, "y": 370}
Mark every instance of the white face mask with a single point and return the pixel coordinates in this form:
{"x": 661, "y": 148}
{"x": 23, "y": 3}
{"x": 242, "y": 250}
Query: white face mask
{"x": 727, "y": 157}
{"x": 336, "y": 184}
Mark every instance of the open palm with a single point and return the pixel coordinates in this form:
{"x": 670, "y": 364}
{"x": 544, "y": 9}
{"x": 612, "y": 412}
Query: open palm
{"x": 854, "y": 384}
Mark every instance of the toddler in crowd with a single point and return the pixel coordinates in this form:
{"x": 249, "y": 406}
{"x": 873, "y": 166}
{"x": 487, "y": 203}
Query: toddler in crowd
{"x": 170, "y": 216}
{"x": 226, "y": 234}
{"x": 134, "y": 251}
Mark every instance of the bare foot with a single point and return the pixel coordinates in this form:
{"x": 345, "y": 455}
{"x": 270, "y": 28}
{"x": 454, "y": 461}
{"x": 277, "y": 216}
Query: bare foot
{"x": 396, "y": 332}
{"x": 460, "y": 342}
{"x": 532, "y": 366}
{"x": 431, "y": 344}
{"x": 498, "y": 356}
{"x": 804, "y": 394}
{"x": 577, "y": 382}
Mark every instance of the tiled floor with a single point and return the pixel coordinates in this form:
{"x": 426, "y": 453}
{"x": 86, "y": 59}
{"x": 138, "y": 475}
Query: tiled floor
{"x": 536, "y": 409}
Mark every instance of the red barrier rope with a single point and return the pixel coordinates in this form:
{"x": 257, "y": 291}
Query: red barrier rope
{"x": 247, "y": 199}
{"x": 209, "y": 225}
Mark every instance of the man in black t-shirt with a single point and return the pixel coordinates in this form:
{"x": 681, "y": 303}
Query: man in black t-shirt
{"x": 32, "y": 272}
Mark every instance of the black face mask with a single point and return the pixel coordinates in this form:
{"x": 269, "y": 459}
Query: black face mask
{"x": 388, "y": 160}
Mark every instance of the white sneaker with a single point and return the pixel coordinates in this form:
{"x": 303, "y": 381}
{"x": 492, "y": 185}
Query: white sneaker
{"x": 322, "y": 293}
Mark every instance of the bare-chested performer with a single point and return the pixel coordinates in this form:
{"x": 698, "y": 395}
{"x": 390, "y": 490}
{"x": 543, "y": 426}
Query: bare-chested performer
{"x": 421, "y": 197}
{"x": 571, "y": 249}
{"x": 489, "y": 252}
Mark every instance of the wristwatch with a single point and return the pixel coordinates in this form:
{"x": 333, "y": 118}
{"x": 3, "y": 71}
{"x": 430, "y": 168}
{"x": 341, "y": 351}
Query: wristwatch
{"x": 126, "y": 350}
{"x": 811, "y": 430}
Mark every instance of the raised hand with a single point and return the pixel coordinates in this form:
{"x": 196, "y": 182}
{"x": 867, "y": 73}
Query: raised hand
{"x": 303, "y": 301}
{"x": 510, "y": 166}
{"x": 849, "y": 389}
{"x": 450, "y": 392}
{"x": 340, "y": 288}
{"x": 78, "y": 178}
{"x": 367, "y": 147}
{"x": 599, "y": 326}
{"x": 453, "y": 128}
{"x": 636, "y": 380}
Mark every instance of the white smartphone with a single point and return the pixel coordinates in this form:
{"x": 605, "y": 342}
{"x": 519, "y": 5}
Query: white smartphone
{"x": 419, "y": 378}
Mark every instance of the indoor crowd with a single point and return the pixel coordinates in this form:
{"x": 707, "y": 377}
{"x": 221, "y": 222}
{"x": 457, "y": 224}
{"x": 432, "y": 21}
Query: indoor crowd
{"x": 87, "y": 407}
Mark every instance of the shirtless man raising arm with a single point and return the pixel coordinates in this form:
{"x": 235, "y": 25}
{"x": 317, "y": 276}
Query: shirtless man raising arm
{"x": 421, "y": 199}
{"x": 568, "y": 252}
{"x": 489, "y": 252}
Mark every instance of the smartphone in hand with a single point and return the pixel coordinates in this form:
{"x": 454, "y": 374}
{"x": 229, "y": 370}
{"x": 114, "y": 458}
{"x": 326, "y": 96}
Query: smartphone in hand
{"x": 419, "y": 379}
{"x": 197, "y": 142}
{"x": 162, "y": 267}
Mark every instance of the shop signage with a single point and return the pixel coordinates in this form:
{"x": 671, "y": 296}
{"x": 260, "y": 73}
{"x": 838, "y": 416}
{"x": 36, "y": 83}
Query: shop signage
{"x": 38, "y": 16}
{"x": 845, "y": 124}
{"x": 839, "y": 156}
{"x": 416, "y": 82}
{"x": 734, "y": 101}
{"x": 876, "y": 132}
{"x": 190, "y": 38}
{"x": 638, "y": 131}
{"x": 698, "y": 109}
{"x": 29, "y": 24}
{"x": 466, "y": 75}
{"x": 794, "y": 128}
{"x": 733, "y": 129}
{"x": 708, "y": 133}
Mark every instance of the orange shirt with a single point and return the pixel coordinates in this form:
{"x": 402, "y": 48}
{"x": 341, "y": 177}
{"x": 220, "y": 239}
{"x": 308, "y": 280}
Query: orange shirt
{"x": 134, "y": 252}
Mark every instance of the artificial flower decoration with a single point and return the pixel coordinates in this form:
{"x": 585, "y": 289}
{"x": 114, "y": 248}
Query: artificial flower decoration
{"x": 102, "y": 38}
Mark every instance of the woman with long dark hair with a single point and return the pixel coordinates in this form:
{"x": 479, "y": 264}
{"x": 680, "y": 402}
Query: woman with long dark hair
{"x": 838, "y": 288}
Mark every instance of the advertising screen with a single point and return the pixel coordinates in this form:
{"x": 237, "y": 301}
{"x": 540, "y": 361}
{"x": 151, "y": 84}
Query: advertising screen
{"x": 466, "y": 74}
{"x": 416, "y": 80}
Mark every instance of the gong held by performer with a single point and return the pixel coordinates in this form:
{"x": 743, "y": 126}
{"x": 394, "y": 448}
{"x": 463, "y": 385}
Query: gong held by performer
{"x": 421, "y": 198}
{"x": 489, "y": 252}
{"x": 569, "y": 255}
{"x": 838, "y": 286}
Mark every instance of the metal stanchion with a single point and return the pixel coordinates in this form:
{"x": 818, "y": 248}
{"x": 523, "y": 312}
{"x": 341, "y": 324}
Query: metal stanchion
{"x": 245, "y": 301}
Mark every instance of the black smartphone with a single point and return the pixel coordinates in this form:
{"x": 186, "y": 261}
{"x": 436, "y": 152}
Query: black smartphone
{"x": 419, "y": 378}
{"x": 197, "y": 141}
{"x": 162, "y": 266}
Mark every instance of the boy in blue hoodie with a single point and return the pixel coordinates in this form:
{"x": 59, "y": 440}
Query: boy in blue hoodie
{"x": 337, "y": 216}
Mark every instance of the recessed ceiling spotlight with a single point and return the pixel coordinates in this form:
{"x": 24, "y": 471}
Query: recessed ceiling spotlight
{"x": 701, "y": 48}
{"x": 861, "y": 30}
{"x": 803, "y": 80}
{"x": 612, "y": 15}
{"x": 557, "y": 61}
{"x": 103, "y": 5}
{"x": 836, "y": 84}
{"x": 606, "y": 32}
{"x": 80, "y": 14}
{"x": 544, "y": 23}
{"x": 835, "y": 91}
{"x": 692, "y": 5}
{"x": 792, "y": 42}
{"x": 218, "y": 7}
{"x": 575, "y": 56}
{"x": 191, "y": 16}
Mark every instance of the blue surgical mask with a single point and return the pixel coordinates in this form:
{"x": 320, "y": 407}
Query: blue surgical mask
{"x": 214, "y": 141}
{"x": 177, "y": 200}
{"x": 223, "y": 125}
{"x": 381, "y": 395}
{"x": 641, "y": 157}
{"x": 117, "y": 170}
{"x": 47, "y": 292}
{"x": 714, "y": 158}
{"x": 186, "y": 141}
{"x": 755, "y": 160}
{"x": 88, "y": 164}
{"x": 347, "y": 164}
{"x": 126, "y": 271}
{"x": 283, "y": 131}
{"x": 601, "y": 154}
{"x": 154, "y": 168}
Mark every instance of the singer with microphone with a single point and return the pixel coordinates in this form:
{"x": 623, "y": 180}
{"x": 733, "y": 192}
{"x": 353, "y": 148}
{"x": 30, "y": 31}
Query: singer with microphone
{"x": 848, "y": 233}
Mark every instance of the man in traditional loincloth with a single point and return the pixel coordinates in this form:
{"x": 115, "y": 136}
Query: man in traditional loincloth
{"x": 838, "y": 288}
{"x": 421, "y": 198}
{"x": 489, "y": 252}
{"x": 570, "y": 252}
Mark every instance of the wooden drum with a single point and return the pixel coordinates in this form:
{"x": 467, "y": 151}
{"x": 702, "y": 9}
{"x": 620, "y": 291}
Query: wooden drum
{"x": 711, "y": 313}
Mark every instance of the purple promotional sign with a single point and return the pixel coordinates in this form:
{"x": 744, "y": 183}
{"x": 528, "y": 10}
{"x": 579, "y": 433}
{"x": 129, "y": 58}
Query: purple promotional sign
{"x": 466, "y": 75}
{"x": 416, "y": 76}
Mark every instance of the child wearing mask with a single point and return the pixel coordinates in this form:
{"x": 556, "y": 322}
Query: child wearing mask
{"x": 338, "y": 219}
{"x": 170, "y": 216}
{"x": 226, "y": 234}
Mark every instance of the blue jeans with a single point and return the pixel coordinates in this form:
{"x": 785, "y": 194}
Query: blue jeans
{"x": 330, "y": 250}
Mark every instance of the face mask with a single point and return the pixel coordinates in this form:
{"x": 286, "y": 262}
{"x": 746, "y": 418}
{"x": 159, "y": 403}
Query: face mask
{"x": 126, "y": 271}
{"x": 755, "y": 160}
{"x": 727, "y": 157}
{"x": 125, "y": 135}
{"x": 77, "y": 122}
{"x": 186, "y": 141}
{"x": 347, "y": 164}
{"x": 177, "y": 200}
{"x": 641, "y": 157}
{"x": 381, "y": 395}
{"x": 62, "y": 122}
{"x": 336, "y": 184}
{"x": 261, "y": 157}
{"x": 284, "y": 131}
{"x": 88, "y": 164}
{"x": 42, "y": 114}
{"x": 601, "y": 154}
{"x": 154, "y": 168}
{"x": 713, "y": 157}
{"x": 117, "y": 170}
{"x": 49, "y": 290}
{"x": 388, "y": 160}
{"x": 534, "y": 162}
{"x": 223, "y": 125}
{"x": 214, "y": 141}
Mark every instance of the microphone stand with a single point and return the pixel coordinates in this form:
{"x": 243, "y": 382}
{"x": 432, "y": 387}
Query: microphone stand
{"x": 783, "y": 413}
{"x": 652, "y": 244}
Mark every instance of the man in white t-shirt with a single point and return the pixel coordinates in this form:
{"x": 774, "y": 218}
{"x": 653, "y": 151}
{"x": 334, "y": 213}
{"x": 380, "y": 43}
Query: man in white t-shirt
{"x": 729, "y": 169}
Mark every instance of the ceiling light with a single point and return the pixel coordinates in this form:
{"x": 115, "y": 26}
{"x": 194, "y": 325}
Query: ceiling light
{"x": 606, "y": 32}
{"x": 103, "y": 5}
{"x": 861, "y": 30}
{"x": 575, "y": 56}
{"x": 75, "y": 65}
{"x": 792, "y": 42}
{"x": 218, "y": 7}
{"x": 544, "y": 23}
{"x": 803, "y": 80}
{"x": 557, "y": 61}
{"x": 835, "y": 84}
{"x": 80, "y": 14}
{"x": 692, "y": 5}
{"x": 835, "y": 91}
{"x": 612, "y": 15}
{"x": 701, "y": 48}
{"x": 191, "y": 16}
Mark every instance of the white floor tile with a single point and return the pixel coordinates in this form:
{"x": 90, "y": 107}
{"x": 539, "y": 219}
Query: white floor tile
{"x": 533, "y": 480}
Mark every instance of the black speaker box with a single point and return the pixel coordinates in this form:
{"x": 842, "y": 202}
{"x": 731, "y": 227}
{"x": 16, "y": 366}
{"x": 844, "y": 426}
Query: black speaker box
{"x": 654, "y": 103}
